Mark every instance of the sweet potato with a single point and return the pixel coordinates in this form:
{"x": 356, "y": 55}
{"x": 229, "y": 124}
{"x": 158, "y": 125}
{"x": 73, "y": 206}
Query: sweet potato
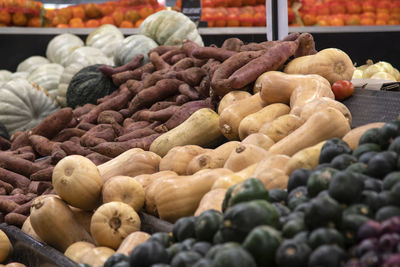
{"x": 110, "y": 117}
{"x": 204, "y": 87}
{"x": 8, "y": 205}
{"x": 132, "y": 64}
{"x": 42, "y": 175}
{"x": 183, "y": 64}
{"x": 306, "y": 45}
{"x": 15, "y": 219}
{"x": 158, "y": 62}
{"x": 113, "y": 149}
{"x": 159, "y": 115}
{"x": 23, "y": 209}
{"x": 67, "y": 133}
{"x": 192, "y": 76}
{"x": 97, "y": 158}
{"x": 151, "y": 79}
{"x": 105, "y": 98}
{"x": 25, "y": 155}
{"x": 181, "y": 99}
{"x": 18, "y": 165}
{"x": 188, "y": 47}
{"x": 85, "y": 126}
{"x": 72, "y": 148}
{"x": 24, "y": 149}
{"x": 139, "y": 133}
{"x": 38, "y": 188}
{"x": 57, "y": 154}
{"x": 73, "y": 122}
{"x": 135, "y": 125}
{"x": 185, "y": 89}
{"x": 3, "y": 191}
{"x": 174, "y": 59}
{"x": 53, "y": 124}
{"x": 162, "y": 90}
{"x": 232, "y": 44}
{"x": 162, "y": 49}
{"x": 42, "y": 145}
{"x": 272, "y": 59}
{"x": 168, "y": 55}
{"x": 20, "y": 139}
{"x": 79, "y": 111}
{"x": 18, "y": 198}
{"x": 98, "y": 134}
{"x": 122, "y": 77}
{"x": 258, "y": 46}
{"x": 4, "y": 144}
{"x": 8, "y": 187}
{"x": 2, "y": 217}
{"x": 220, "y": 54}
{"x": 211, "y": 66}
{"x": 162, "y": 105}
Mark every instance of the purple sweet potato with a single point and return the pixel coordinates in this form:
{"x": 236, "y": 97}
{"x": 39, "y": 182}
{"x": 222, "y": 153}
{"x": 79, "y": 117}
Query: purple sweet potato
{"x": 98, "y": 134}
{"x": 122, "y": 77}
{"x": 162, "y": 105}
{"x": 139, "y": 133}
{"x": 133, "y": 86}
{"x": 18, "y": 165}
{"x": 134, "y": 125}
{"x": 42, "y": 145}
{"x": 132, "y": 64}
{"x": 7, "y": 187}
{"x": 85, "y": 126}
{"x": 181, "y": 99}
{"x": 162, "y": 49}
{"x": 187, "y": 90}
{"x": 67, "y": 133}
{"x": 220, "y": 54}
{"x": 109, "y": 117}
{"x": 152, "y": 79}
{"x": 306, "y": 45}
{"x": 72, "y": 148}
{"x": 20, "y": 139}
{"x": 105, "y": 98}
{"x": 159, "y": 115}
{"x": 15, "y": 219}
{"x": 177, "y": 58}
{"x": 57, "y": 154}
{"x": 14, "y": 179}
{"x": 183, "y": 64}
{"x": 192, "y": 76}
{"x": 43, "y": 175}
{"x": 158, "y": 62}
{"x": 97, "y": 158}
{"x": 53, "y": 124}
{"x": 204, "y": 87}
{"x": 211, "y": 66}
{"x": 79, "y": 111}
{"x": 4, "y": 144}
{"x": 232, "y": 44}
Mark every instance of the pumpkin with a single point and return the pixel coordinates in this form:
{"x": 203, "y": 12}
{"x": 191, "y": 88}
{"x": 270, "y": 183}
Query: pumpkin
{"x": 178, "y": 158}
{"x": 124, "y": 189}
{"x": 97, "y": 256}
{"x": 112, "y": 222}
{"x": 168, "y": 27}
{"x": 77, "y": 250}
{"x": 61, "y": 46}
{"x": 106, "y": 38}
{"x": 31, "y": 63}
{"x": 5, "y": 246}
{"x": 77, "y": 180}
{"x": 47, "y": 76}
{"x": 331, "y": 63}
{"x": 88, "y": 85}
{"x": 19, "y": 75}
{"x": 132, "y": 46}
{"x": 24, "y": 105}
{"x": 5, "y": 76}
{"x": 131, "y": 241}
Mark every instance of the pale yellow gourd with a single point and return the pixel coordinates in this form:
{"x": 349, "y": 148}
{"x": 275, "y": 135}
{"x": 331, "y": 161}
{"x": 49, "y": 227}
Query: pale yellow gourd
{"x": 231, "y": 98}
{"x": 211, "y": 201}
{"x": 5, "y": 246}
{"x": 253, "y": 122}
{"x": 322, "y": 125}
{"x": 331, "y": 63}
{"x": 77, "y": 250}
{"x": 306, "y": 158}
{"x": 259, "y": 139}
{"x": 131, "y": 242}
{"x": 244, "y": 156}
{"x": 281, "y": 126}
{"x": 178, "y": 158}
{"x": 97, "y": 256}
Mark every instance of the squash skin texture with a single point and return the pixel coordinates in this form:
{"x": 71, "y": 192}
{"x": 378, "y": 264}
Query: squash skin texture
{"x": 5, "y": 246}
{"x": 131, "y": 241}
{"x": 306, "y": 158}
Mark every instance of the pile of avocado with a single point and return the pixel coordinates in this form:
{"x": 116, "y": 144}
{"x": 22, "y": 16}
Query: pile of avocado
{"x": 315, "y": 222}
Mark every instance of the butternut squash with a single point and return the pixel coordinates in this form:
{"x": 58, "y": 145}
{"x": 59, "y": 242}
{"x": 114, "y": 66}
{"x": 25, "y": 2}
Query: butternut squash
{"x": 201, "y": 129}
{"x": 234, "y": 178}
{"x": 124, "y": 189}
{"x": 273, "y": 178}
{"x": 83, "y": 217}
{"x": 112, "y": 222}
{"x": 211, "y": 201}
{"x": 259, "y": 139}
{"x": 212, "y": 159}
{"x": 331, "y": 63}
{"x": 28, "y": 229}
{"x": 145, "y": 162}
{"x": 274, "y": 87}
{"x": 307, "y": 158}
{"x": 131, "y": 242}
{"x": 317, "y": 104}
{"x": 322, "y": 125}
{"x": 274, "y": 161}
{"x": 179, "y": 197}
{"x": 253, "y": 122}
{"x": 231, "y": 117}
{"x": 244, "y": 156}
{"x": 77, "y": 250}
{"x": 55, "y": 224}
{"x": 146, "y": 179}
{"x": 97, "y": 256}
{"x": 77, "y": 180}
{"x": 231, "y": 98}
{"x": 281, "y": 127}
{"x": 5, "y": 246}
{"x": 353, "y": 136}
{"x": 178, "y": 158}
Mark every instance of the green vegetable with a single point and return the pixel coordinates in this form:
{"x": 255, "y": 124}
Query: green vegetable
{"x": 207, "y": 224}
{"x": 184, "y": 228}
{"x": 325, "y": 236}
{"x": 319, "y": 180}
{"x": 332, "y": 148}
{"x": 346, "y": 187}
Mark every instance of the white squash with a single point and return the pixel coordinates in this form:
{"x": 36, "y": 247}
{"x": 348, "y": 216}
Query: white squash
{"x": 47, "y": 76}
{"x": 131, "y": 47}
{"x": 106, "y": 38}
{"x": 31, "y": 63}
{"x": 5, "y": 75}
{"x": 61, "y": 46}
{"x": 19, "y": 75}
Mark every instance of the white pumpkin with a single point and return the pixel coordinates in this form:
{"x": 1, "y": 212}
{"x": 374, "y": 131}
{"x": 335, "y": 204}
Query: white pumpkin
{"x": 5, "y": 75}
{"x": 47, "y": 76}
{"x": 31, "y": 63}
{"x": 61, "y": 46}
{"x": 131, "y": 47}
{"x": 168, "y": 27}
{"x": 19, "y": 75}
{"x": 23, "y": 105}
{"x": 106, "y": 38}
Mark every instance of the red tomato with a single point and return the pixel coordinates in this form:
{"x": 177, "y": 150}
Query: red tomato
{"x": 342, "y": 89}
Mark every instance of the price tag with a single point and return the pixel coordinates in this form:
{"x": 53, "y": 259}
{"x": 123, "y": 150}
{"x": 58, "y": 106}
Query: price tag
{"x": 192, "y": 9}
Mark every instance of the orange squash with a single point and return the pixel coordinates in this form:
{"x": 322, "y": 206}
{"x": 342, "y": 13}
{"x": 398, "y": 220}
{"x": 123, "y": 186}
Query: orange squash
{"x": 132, "y": 241}
{"x": 178, "y": 158}
{"x": 5, "y": 246}
{"x": 244, "y": 156}
{"x": 211, "y": 201}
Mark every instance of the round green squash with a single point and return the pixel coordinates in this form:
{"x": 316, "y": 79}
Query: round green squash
{"x": 88, "y": 85}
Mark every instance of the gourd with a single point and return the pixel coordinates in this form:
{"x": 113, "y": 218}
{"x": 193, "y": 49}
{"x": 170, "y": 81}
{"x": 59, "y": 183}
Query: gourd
{"x": 244, "y": 156}
{"x": 274, "y": 178}
{"x": 259, "y": 139}
{"x": 124, "y": 189}
{"x": 83, "y": 217}
{"x": 61, "y": 46}
{"x": 323, "y": 102}
{"x": 230, "y": 98}
{"x": 106, "y": 38}
{"x": 132, "y": 46}
{"x": 212, "y": 159}
{"x": 77, "y": 180}
{"x": 147, "y": 179}
{"x": 112, "y": 222}
{"x": 5, "y": 246}
{"x": 322, "y": 125}
{"x": 180, "y": 196}
{"x": 145, "y": 163}
{"x": 211, "y": 201}
{"x": 88, "y": 85}
{"x": 55, "y": 223}
{"x": 97, "y": 256}
{"x": 306, "y": 158}
{"x": 5, "y": 76}
{"x": 231, "y": 117}
{"x": 281, "y": 127}
{"x": 28, "y": 229}
{"x": 353, "y": 136}
{"x": 168, "y": 27}
{"x": 31, "y": 63}
{"x": 331, "y": 63}
{"x": 47, "y": 76}
{"x": 131, "y": 241}
{"x": 226, "y": 181}
{"x": 77, "y": 250}
{"x": 201, "y": 129}
{"x": 24, "y": 105}
{"x": 275, "y": 161}
{"x": 253, "y": 122}
{"x": 178, "y": 158}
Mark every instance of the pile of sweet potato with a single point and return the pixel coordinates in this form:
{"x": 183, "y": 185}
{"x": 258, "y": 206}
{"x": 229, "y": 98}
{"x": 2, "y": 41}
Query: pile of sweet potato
{"x": 151, "y": 99}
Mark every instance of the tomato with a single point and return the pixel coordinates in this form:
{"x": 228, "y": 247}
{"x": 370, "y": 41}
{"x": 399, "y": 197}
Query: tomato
{"x": 342, "y": 89}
